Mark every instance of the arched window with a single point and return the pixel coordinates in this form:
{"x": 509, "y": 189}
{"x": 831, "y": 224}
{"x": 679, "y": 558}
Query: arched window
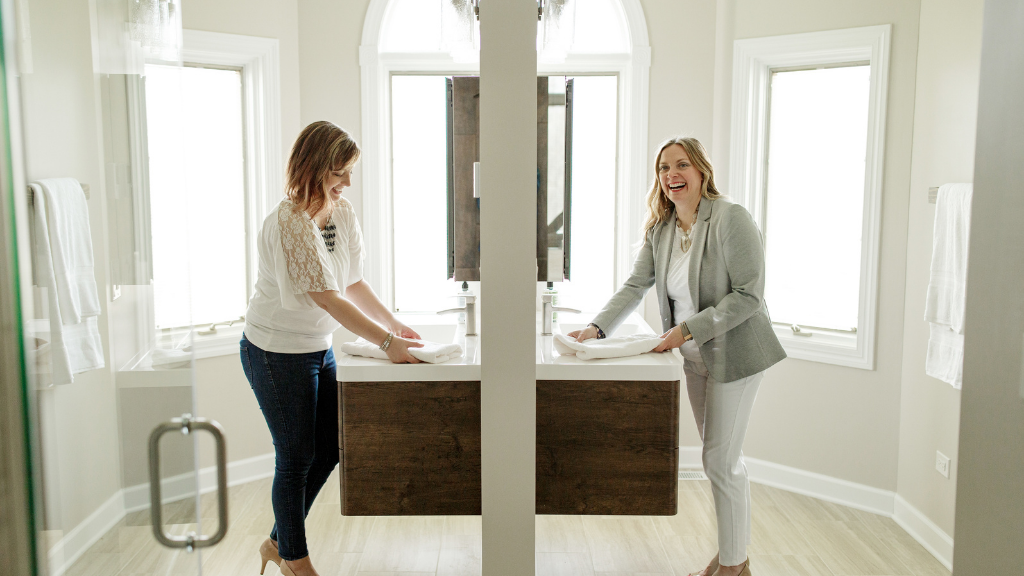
{"x": 404, "y": 66}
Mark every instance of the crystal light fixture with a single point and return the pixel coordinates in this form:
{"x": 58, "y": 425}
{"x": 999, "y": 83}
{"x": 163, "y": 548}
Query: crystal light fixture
{"x": 156, "y": 25}
{"x": 460, "y": 29}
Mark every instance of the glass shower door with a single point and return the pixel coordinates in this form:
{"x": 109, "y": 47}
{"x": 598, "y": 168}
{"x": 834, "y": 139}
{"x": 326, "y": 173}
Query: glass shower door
{"x": 112, "y": 478}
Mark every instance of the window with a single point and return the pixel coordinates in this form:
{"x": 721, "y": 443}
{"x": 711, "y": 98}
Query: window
{"x": 609, "y": 60}
{"x": 211, "y": 132}
{"x": 197, "y": 194}
{"x": 808, "y": 133}
{"x": 817, "y": 127}
{"x": 420, "y": 184}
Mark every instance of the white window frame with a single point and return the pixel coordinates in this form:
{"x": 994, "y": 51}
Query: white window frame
{"x": 377, "y": 68}
{"x": 753, "y": 62}
{"x": 261, "y": 92}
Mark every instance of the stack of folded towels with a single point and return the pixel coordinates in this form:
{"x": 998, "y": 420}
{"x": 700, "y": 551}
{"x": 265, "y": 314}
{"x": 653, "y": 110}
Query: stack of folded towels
{"x": 431, "y": 352}
{"x": 617, "y": 347}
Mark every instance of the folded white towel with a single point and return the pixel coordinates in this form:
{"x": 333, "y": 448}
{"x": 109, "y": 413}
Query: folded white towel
{"x": 431, "y": 352}
{"x": 616, "y": 347}
{"x": 945, "y": 357}
{"x": 945, "y": 300}
{"x": 67, "y": 217}
{"x": 74, "y": 346}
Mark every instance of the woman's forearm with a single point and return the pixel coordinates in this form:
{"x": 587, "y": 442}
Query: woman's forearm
{"x": 349, "y": 315}
{"x": 363, "y": 296}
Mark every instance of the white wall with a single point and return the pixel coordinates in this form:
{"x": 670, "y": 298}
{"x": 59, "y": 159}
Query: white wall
{"x": 945, "y": 120}
{"x": 330, "y": 34}
{"x": 990, "y": 510}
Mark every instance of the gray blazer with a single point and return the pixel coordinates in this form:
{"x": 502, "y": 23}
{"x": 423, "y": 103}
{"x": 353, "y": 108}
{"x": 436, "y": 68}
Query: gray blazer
{"x": 731, "y": 326}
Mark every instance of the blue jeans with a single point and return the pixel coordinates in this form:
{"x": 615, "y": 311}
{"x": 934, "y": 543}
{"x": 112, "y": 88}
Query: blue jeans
{"x": 298, "y": 394}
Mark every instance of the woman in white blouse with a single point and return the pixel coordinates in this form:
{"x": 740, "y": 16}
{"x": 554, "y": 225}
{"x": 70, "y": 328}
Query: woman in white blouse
{"x": 310, "y": 282}
{"x": 704, "y": 255}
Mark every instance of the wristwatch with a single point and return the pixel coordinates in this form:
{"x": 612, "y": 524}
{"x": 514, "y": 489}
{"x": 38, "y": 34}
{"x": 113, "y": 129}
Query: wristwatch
{"x": 600, "y": 333}
{"x": 686, "y": 332}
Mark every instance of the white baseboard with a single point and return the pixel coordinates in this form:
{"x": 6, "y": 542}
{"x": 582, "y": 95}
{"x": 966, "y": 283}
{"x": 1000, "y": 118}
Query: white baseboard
{"x": 922, "y": 529}
{"x": 70, "y": 548}
{"x": 183, "y": 486}
{"x": 835, "y": 490}
{"x": 845, "y": 493}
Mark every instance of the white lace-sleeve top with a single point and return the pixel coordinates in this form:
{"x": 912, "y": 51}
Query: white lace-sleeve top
{"x": 295, "y": 258}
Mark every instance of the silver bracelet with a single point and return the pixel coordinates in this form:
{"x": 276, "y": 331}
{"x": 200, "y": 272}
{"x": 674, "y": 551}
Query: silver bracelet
{"x": 387, "y": 342}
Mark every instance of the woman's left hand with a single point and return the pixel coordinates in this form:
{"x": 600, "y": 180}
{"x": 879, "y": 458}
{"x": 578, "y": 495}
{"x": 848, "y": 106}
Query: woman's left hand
{"x": 403, "y": 331}
{"x": 671, "y": 339}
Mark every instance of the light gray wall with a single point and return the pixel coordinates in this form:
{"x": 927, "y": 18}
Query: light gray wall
{"x": 945, "y": 121}
{"x": 990, "y": 510}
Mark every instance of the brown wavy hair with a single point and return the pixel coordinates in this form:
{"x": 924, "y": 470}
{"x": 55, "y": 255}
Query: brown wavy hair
{"x": 320, "y": 148}
{"x": 659, "y": 207}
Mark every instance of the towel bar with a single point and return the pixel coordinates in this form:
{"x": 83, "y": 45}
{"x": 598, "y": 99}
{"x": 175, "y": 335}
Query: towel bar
{"x": 85, "y": 188}
{"x": 933, "y": 193}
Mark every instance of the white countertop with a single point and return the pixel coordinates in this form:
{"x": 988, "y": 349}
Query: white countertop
{"x": 550, "y": 366}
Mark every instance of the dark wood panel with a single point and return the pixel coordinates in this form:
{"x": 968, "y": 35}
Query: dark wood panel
{"x": 542, "y": 181}
{"x": 413, "y": 448}
{"x": 410, "y": 448}
{"x": 466, "y": 151}
{"x": 607, "y": 447}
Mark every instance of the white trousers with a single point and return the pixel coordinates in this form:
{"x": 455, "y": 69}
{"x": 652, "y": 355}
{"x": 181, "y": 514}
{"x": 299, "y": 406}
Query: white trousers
{"x": 722, "y": 412}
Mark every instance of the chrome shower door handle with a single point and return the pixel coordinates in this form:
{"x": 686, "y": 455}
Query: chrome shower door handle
{"x": 186, "y": 424}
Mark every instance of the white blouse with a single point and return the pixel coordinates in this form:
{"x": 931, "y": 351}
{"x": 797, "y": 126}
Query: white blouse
{"x": 295, "y": 258}
{"x": 678, "y": 288}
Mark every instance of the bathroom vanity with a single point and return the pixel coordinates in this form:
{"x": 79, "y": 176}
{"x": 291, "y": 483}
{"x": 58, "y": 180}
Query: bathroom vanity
{"x": 607, "y": 430}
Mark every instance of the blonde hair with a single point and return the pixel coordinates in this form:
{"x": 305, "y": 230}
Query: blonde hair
{"x": 320, "y": 148}
{"x": 659, "y": 207}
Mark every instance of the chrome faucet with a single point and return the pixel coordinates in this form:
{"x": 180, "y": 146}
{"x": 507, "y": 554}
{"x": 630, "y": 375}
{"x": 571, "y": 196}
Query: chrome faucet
{"x": 469, "y": 308}
{"x": 547, "y": 310}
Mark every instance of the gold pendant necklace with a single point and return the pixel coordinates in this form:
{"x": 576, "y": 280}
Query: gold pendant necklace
{"x": 686, "y": 242}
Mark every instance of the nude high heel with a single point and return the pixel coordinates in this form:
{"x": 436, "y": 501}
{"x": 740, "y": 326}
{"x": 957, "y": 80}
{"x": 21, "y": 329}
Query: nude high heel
{"x": 268, "y": 553}
{"x": 746, "y": 569}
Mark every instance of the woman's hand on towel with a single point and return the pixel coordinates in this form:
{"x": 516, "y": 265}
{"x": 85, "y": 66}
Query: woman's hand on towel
{"x": 398, "y": 351}
{"x": 671, "y": 339}
{"x": 399, "y": 329}
{"x": 585, "y": 334}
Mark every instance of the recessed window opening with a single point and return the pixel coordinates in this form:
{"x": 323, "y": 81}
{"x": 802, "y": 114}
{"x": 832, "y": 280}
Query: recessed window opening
{"x": 195, "y": 137}
{"x": 814, "y": 194}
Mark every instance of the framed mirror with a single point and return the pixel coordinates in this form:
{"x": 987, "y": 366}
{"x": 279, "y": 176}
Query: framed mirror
{"x": 554, "y": 177}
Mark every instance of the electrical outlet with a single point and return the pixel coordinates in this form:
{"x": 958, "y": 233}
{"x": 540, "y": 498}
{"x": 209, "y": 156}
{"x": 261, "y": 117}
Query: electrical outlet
{"x": 942, "y": 463}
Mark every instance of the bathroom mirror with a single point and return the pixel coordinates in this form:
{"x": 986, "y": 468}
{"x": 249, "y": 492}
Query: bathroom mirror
{"x": 554, "y": 177}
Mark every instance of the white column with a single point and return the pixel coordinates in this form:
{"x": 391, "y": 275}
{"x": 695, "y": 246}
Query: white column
{"x": 508, "y": 213}
{"x": 989, "y": 507}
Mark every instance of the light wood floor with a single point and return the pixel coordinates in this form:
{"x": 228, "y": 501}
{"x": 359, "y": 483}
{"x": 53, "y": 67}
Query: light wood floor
{"x": 793, "y": 536}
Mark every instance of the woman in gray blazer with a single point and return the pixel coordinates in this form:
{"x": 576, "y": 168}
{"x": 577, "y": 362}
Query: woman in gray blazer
{"x": 705, "y": 257}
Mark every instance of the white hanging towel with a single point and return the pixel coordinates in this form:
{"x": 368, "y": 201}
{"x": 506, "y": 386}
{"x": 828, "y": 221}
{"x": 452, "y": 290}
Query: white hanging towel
{"x": 947, "y": 284}
{"x": 615, "y": 347}
{"x": 63, "y": 266}
{"x": 431, "y": 352}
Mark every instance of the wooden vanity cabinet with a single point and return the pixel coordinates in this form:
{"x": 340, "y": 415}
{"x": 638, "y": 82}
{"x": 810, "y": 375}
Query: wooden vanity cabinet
{"x": 603, "y": 447}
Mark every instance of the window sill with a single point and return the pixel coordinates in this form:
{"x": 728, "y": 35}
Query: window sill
{"x": 188, "y": 341}
{"x": 828, "y": 347}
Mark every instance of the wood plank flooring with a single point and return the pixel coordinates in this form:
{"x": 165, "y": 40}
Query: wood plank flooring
{"x": 792, "y": 536}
